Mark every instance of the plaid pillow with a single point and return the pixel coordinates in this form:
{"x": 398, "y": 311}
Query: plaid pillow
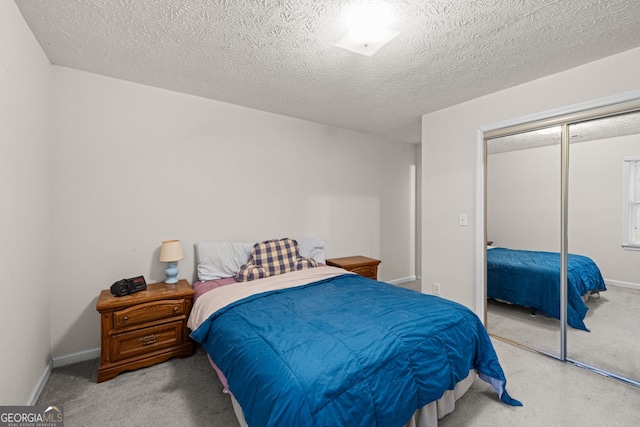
{"x": 273, "y": 257}
{"x": 250, "y": 272}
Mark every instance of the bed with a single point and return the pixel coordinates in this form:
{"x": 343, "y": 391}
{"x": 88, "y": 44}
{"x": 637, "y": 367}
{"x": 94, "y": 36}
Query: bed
{"x": 532, "y": 279}
{"x": 323, "y": 346}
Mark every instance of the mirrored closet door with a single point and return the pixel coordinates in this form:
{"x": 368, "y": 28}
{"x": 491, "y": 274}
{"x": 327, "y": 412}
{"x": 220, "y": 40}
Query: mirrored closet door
{"x": 562, "y": 224}
{"x": 604, "y": 186}
{"x": 523, "y": 224}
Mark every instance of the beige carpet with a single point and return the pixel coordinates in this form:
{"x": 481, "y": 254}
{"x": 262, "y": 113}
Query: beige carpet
{"x": 613, "y": 343}
{"x": 554, "y": 394}
{"x": 179, "y": 392}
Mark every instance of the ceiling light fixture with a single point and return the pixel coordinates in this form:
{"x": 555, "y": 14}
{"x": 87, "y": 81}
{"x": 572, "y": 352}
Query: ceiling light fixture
{"x": 369, "y": 23}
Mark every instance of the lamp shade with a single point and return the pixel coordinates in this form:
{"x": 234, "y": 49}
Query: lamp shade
{"x": 171, "y": 251}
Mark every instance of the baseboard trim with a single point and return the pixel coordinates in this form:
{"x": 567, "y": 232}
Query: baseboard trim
{"x": 56, "y": 362}
{"x": 76, "y": 357}
{"x": 40, "y": 384}
{"x": 620, "y": 284}
{"x": 402, "y": 280}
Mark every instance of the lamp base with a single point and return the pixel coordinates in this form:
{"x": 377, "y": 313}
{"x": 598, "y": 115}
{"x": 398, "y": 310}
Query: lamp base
{"x": 172, "y": 273}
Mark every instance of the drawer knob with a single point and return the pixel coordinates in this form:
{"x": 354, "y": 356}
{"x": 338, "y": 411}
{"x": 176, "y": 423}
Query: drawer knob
{"x": 149, "y": 339}
{"x": 175, "y": 309}
{"x": 125, "y": 318}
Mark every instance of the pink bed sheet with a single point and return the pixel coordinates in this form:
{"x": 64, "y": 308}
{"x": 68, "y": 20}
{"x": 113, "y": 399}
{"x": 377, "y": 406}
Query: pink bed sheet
{"x": 201, "y": 288}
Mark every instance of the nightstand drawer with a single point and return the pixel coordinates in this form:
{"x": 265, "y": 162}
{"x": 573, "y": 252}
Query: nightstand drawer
{"x": 366, "y": 271}
{"x": 148, "y": 312}
{"x": 143, "y": 341}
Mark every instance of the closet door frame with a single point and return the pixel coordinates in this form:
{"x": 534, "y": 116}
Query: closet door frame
{"x": 563, "y": 117}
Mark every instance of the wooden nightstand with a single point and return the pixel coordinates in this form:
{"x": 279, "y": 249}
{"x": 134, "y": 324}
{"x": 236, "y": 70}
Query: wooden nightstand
{"x": 367, "y": 267}
{"x": 144, "y": 328}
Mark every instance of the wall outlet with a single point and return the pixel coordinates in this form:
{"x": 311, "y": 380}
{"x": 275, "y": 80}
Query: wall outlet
{"x": 436, "y": 288}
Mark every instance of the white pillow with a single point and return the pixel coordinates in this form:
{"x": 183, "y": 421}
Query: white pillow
{"x": 312, "y": 247}
{"x": 217, "y": 260}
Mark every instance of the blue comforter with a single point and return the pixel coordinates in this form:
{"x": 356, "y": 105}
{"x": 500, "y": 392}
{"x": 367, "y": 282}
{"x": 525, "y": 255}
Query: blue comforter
{"x": 532, "y": 279}
{"x": 345, "y": 351}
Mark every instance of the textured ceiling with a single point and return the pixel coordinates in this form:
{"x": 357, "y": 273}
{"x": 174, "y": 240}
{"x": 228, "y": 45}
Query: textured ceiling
{"x": 279, "y": 56}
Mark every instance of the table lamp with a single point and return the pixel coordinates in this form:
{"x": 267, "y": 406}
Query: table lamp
{"x": 171, "y": 252}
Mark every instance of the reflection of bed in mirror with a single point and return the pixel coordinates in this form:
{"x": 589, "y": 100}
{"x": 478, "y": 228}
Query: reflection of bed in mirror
{"x": 324, "y": 346}
{"x": 532, "y": 279}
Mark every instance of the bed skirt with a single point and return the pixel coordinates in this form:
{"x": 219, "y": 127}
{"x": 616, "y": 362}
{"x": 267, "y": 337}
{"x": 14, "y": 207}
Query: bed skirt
{"x": 427, "y": 416}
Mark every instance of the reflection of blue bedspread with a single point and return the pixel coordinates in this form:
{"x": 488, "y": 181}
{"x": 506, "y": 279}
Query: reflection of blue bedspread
{"x": 345, "y": 351}
{"x": 532, "y": 279}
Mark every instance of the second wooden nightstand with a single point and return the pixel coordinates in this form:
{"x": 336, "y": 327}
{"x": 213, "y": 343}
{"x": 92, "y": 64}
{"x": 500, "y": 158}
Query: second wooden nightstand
{"x": 367, "y": 267}
{"x": 144, "y": 328}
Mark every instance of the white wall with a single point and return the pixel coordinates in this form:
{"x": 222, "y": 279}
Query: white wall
{"x": 449, "y": 160}
{"x": 595, "y": 206}
{"x": 523, "y": 199}
{"x": 135, "y": 165}
{"x": 523, "y": 202}
{"x": 25, "y": 226}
